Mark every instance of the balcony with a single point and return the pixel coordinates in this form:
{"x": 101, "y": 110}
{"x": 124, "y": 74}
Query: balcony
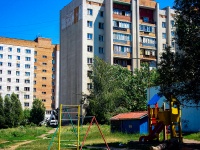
{"x": 120, "y": 41}
{"x": 123, "y": 30}
{"x": 122, "y": 54}
{"x": 123, "y": 1}
{"x": 147, "y": 3}
{"x": 149, "y": 45}
{"x": 122, "y": 17}
{"x": 148, "y": 57}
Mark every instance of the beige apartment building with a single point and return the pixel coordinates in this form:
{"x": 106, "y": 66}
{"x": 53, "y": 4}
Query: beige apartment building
{"x": 124, "y": 32}
{"x": 29, "y": 69}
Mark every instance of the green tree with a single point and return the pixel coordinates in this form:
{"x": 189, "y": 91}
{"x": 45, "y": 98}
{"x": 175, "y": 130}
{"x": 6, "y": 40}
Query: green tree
{"x": 37, "y": 112}
{"x": 179, "y": 73}
{"x": 7, "y": 112}
{"x": 2, "y": 117}
{"x": 26, "y": 116}
{"x": 16, "y": 111}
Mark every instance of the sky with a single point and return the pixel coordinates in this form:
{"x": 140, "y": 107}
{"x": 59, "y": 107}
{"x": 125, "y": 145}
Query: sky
{"x": 28, "y": 19}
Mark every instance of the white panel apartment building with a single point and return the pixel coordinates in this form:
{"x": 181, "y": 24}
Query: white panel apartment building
{"x": 16, "y": 72}
{"x": 124, "y": 32}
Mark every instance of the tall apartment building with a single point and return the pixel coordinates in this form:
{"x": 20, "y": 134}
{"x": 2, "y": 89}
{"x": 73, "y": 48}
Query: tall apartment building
{"x": 29, "y": 69}
{"x": 124, "y": 32}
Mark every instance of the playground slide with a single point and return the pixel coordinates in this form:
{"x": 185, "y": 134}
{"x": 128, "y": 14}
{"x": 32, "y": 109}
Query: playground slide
{"x": 157, "y": 129}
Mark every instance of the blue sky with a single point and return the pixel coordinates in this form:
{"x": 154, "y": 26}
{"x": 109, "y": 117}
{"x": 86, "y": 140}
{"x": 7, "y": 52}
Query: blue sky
{"x": 27, "y": 19}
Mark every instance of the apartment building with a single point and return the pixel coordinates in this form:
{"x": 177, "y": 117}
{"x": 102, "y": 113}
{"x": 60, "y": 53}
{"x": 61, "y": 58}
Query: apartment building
{"x": 29, "y": 69}
{"x": 124, "y": 32}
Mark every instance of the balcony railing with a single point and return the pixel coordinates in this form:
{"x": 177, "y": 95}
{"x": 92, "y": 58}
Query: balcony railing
{"x": 149, "y": 44}
{"x": 118, "y": 28}
{"x": 123, "y": 1}
{"x": 120, "y": 41}
{"x": 121, "y": 53}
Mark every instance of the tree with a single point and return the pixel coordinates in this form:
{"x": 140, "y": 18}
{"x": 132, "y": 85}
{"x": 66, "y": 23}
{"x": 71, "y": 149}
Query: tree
{"x": 2, "y": 117}
{"x": 26, "y": 116}
{"x": 179, "y": 73}
{"x": 37, "y": 112}
{"x": 7, "y": 112}
{"x": 117, "y": 90}
{"x": 16, "y": 111}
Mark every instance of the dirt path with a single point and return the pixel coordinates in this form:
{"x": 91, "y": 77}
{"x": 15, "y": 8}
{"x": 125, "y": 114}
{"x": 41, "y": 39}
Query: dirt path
{"x": 13, "y": 147}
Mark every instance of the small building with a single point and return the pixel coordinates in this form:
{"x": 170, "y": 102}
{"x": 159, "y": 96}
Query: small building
{"x": 132, "y": 122}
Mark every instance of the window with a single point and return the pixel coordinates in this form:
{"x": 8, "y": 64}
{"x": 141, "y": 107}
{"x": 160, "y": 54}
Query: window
{"x": 34, "y": 89}
{"x": 164, "y": 46}
{"x": 26, "y": 96}
{"x": 26, "y": 81}
{"x": 1, "y": 48}
{"x": 27, "y": 66}
{"x": 164, "y": 35}
{"x": 26, "y": 88}
{"x": 0, "y": 79}
{"x": 18, "y": 50}
{"x": 52, "y": 90}
{"x": 17, "y": 80}
{"x": 52, "y": 97}
{"x": 28, "y": 51}
{"x": 89, "y": 73}
{"x": 89, "y": 48}
{"x": 17, "y": 88}
{"x": 53, "y": 69}
{"x": 101, "y": 39}
{"x": 9, "y": 56}
{"x": 101, "y": 14}
{"x": 89, "y": 60}
{"x": 89, "y": 36}
{"x": 35, "y": 67}
{"x": 147, "y": 28}
{"x": 53, "y": 61}
{"x": 172, "y": 23}
{"x": 34, "y": 82}
{"x": 53, "y": 83}
{"x": 145, "y": 19}
{"x": 172, "y": 33}
{"x": 17, "y": 73}
{"x": 1, "y": 63}
{"x": 89, "y": 24}
{"x": 35, "y": 53}
{"x": 9, "y": 49}
{"x": 44, "y": 100}
{"x": 27, "y": 58}
{"x": 44, "y": 78}
{"x": 35, "y": 75}
{"x": 0, "y": 71}
{"x": 89, "y": 86}
{"x": 1, "y": 55}
{"x": 53, "y": 76}
{"x": 8, "y": 95}
{"x": 18, "y": 57}
{"x": 34, "y": 97}
{"x": 44, "y": 64}
{"x": 9, "y": 71}
{"x": 163, "y": 24}
{"x": 53, "y": 55}
{"x": 121, "y": 37}
{"x": 101, "y": 25}
{"x": 173, "y": 44}
{"x": 0, "y": 87}
{"x": 43, "y": 92}
{"x": 27, "y": 73}
{"x": 35, "y": 60}
{"x": 26, "y": 104}
{"x": 8, "y": 88}
{"x": 44, "y": 56}
{"x": 101, "y": 50}
{"x": 89, "y": 12}
{"x": 43, "y": 85}
{"x": 8, "y": 79}
{"x": 44, "y": 70}
{"x": 9, "y": 64}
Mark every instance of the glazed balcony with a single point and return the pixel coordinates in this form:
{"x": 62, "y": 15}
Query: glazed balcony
{"x": 148, "y": 57}
{"x": 122, "y": 54}
{"x": 126, "y": 43}
{"x": 148, "y": 45}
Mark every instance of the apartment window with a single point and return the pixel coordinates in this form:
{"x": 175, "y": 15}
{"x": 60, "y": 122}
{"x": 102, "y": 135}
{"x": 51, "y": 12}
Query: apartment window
{"x": 44, "y": 70}
{"x": 89, "y": 36}
{"x": 101, "y": 13}
{"x": 17, "y": 88}
{"x": 0, "y": 87}
{"x": 89, "y": 73}
{"x": 173, "y": 44}
{"x": 53, "y": 76}
{"x": 44, "y": 100}
{"x": 0, "y": 71}
{"x": 172, "y": 33}
{"x": 35, "y": 60}
{"x": 9, "y": 64}
{"x": 27, "y": 66}
{"x": 8, "y": 88}
{"x": 34, "y": 97}
{"x": 163, "y": 24}
{"x": 44, "y": 78}
{"x": 53, "y": 61}
{"x": 164, "y": 35}
{"x": 43, "y": 85}
{"x": 53, "y": 83}
{"x": 172, "y": 23}
{"x": 53, "y": 55}
{"x": 34, "y": 82}
{"x": 27, "y": 58}
{"x": 1, "y": 48}
{"x": 26, "y": 104}
{"x": 89, "y": 48}
{"x": 18, "y": 65}
{"x": 89, "y": 24}
{"x": 9, "y": 56}
{"x": 35, "y": 75}
{"x": 147, "y": 28}
{"x": 35, "y": 67}
{"x": 145, "y": 19}
{"x": 89, "y": 12}
{"x": 44, "y": 64}
{"x": 34, "y": 89}
{"x": 26, "y": 88}
{"x": 1, "y": 55}
{"x": 89, "y": 60}
{"x": 18, "y": 50}
{"x": 9, "y": 71}
{"x": 26, "y": 81}
{"x": 53, "y": 69}
{"x": 26, "y": 96}
{"x": 18, "y": 57}
{"x": 8, "y": 79}
{"x": 35, "y": 53}
{"x": 89, "y": 86}
{"x": 164, "y": 46}
{"x": 17, "y": 73}
{"x": 121, "y": 37}
{"x": 10, "y": 49}
{"x": 28, "y": 51}
{"x": 101, "y": 25}
{"x": 1, "y": 63}
{"x": 43, "y": 92}
{"x": 0, "y": 79}
{"x": 52, "y": 97}
{"x": 101, "y": 39}
{"x": 44, "y": 56}
{"x": 52, "y": 90}
{"x": 101, "y": 50}
{"x": 8, "y": 95}
{"x": 17, "y": 80}
{"x": 27, "y": 73}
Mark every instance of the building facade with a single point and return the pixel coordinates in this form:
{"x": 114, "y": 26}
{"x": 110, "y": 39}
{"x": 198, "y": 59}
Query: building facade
{"x": 29, "y": 69}
{"x": 124, "y": 32}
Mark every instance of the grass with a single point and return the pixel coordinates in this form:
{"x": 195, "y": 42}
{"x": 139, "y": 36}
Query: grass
{"x": 194, "y": 136}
